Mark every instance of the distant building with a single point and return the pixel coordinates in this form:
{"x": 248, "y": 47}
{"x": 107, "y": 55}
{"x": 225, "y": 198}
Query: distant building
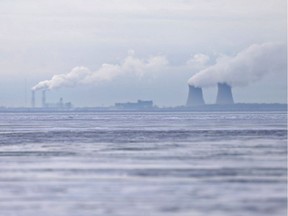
{"x": 59, "y": 105}
{"x": 140, "y": 104}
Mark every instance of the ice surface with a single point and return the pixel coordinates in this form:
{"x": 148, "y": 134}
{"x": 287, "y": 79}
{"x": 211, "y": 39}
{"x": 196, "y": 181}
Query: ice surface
{"x": 105, "y": 163}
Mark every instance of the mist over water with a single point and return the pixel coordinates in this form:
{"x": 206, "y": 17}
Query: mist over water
{"x": 143, "y": 163}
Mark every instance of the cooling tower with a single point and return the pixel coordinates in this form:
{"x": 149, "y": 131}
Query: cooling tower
{"x": 195, "y": 96}
{"x": 224, "y": 95}
{"x": 33, "y": 99}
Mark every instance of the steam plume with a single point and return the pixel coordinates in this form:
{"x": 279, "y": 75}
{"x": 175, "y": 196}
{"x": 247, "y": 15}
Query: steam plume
{"x": 107, "y": 72}
{"x": 247, "y": 66}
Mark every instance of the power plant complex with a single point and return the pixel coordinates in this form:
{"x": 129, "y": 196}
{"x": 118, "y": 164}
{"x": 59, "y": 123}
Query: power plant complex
{"x": 195, "y": 102}
{"x": 60, "y": 104}
{"x": 224, "y": 95}
{"x": 195, "y": 98}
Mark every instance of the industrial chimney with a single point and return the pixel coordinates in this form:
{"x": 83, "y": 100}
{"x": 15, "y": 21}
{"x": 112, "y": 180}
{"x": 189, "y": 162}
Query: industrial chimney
{"x": 224, "y": 95}
{"x": 33, "y": 99}
{"x": 43, "y": 98}
{"x": 195, "y": 96}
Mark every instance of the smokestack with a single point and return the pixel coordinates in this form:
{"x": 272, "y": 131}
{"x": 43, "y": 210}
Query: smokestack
{"x": 33, "y": 99}
{"x": 195, "y": 96}
{"x": 224, "y": 95}
{"x": 43, "y": 98}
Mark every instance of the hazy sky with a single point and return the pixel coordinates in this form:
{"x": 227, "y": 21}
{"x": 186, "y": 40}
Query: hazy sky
{"x": 149, "y": 48}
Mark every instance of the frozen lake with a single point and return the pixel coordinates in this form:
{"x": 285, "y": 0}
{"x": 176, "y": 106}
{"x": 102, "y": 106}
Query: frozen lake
{"x": 143, "y": 163}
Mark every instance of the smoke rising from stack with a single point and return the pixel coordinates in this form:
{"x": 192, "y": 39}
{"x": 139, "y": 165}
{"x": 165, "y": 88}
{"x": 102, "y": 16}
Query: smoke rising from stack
{"x": 247, "y": 66}
{"x": 82, "y": 75}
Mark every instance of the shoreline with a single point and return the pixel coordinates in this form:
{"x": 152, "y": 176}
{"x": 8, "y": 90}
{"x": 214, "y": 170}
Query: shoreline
{"x": 238, "y": 107}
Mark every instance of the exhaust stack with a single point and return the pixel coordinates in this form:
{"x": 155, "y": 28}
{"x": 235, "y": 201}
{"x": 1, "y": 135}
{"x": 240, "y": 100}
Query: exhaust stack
{"x": 195, "y": 96}
{"x": 33, "y": 99}
{"x": 224, "y": 95}
{"x": 43, "y": 98}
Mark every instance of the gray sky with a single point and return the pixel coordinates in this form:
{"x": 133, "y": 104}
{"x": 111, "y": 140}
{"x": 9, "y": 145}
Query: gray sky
{"x": 41, "y": 38}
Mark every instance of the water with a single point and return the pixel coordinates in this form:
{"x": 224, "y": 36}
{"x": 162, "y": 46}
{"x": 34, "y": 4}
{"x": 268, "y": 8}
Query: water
{"x": 160, "y": 164}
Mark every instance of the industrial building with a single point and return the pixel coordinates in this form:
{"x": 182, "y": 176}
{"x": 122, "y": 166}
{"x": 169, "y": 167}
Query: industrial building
{"x": 140, "y": 104}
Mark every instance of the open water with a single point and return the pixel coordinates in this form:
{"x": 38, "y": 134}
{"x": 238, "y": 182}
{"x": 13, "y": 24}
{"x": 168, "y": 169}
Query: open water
{"x": 143, "y": 163}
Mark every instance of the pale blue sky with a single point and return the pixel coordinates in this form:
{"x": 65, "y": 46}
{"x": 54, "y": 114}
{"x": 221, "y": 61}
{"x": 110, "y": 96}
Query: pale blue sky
{"x": 39, "y": 39}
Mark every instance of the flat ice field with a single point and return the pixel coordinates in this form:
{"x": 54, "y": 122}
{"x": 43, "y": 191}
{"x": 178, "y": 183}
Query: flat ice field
{"x": 154, "y": 163}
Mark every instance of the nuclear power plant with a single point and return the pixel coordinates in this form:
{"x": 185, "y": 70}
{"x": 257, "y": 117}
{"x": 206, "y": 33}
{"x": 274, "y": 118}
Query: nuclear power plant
{"x": 224, "y": 95}
{"x": 224, "y": 101}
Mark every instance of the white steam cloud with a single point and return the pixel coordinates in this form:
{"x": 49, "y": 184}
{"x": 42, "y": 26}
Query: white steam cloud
{"x": 198, "y": 61}
{"x": 82, "y": 75}
{"x": 247, "y": 66}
